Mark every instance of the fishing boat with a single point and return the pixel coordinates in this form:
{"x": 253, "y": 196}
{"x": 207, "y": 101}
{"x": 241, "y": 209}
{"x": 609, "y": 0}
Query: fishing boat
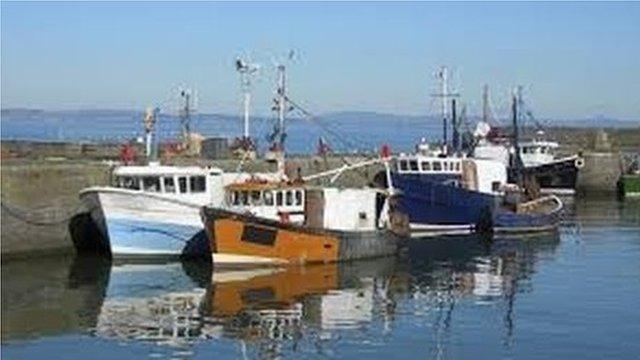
{"x": 446, "y": 193}
{"x": 281, "y": 223}
{"x": 152, "y": 210}
{"x": 554, "y": 174}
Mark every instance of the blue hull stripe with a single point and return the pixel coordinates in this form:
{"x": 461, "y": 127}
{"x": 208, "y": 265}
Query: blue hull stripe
{"x": 137, "y": 237}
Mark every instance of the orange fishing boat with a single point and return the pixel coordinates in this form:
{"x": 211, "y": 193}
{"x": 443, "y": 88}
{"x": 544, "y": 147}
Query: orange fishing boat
{"x": 269, "y": 223}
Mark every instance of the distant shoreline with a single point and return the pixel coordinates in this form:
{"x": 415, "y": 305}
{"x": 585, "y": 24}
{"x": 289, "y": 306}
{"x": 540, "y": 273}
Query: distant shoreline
{"x": 365, "y": 116}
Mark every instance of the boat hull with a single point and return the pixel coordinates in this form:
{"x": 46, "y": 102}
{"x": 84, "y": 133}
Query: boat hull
{"x": 512, "y": 223}
{"x": 136, "y": 224}
{"x": 559, "y": 177}
{"x": 629, "y": 186}
{"x": 436, "y": 209}
{"x": 245, "y": 240}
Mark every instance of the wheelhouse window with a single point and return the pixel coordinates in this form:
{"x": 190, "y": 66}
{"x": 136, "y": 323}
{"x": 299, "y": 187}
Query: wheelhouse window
{"x": 198, "y": 184}
{"x": 413, "y": 165}
{"x": 298, "y": 197}
{"x": 495, "y": 186}
{"x": 182, "y": 184}
{"x": 437, "y": 166}
{"x": 268, "y": 198}
{"x": 426, "y": 166}
{"x": 151, "y": 183}
{"x": 403, "y": 165}
{"x": 457, "y": 166}
{"x": 235, "y": 198}
{"x": 169, "y": 185}
{"x": 128, "y": 182}
{"x": 289, "y": 197}
{"x": 244, "y": 197}
{"x": 256, "y": 198}
{"x": 279, "y": 198}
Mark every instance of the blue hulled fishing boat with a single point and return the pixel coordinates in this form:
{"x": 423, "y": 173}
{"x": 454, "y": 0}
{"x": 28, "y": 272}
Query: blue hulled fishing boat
{"x": 446, "y": 193}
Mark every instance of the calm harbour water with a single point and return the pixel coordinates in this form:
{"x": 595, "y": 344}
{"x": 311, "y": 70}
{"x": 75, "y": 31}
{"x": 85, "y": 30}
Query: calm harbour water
{"x": 571, "y": 295}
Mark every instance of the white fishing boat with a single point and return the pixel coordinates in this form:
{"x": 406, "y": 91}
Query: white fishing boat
{"x": 153, "y": 210}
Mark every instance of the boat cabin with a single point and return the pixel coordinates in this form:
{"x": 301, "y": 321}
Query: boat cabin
{"x": 273, "y": 200}
{"x": 326, "y": 208}
{"x": 537, "y": 152}
{"x": 483, "y": 175}
{"x": 185, "y": 182}
{"x": 429, "y": 165}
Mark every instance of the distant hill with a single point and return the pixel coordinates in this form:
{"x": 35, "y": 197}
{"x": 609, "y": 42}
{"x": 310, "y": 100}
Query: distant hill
{"x": 20, "y": 112}
{"x": 329, "y": 117}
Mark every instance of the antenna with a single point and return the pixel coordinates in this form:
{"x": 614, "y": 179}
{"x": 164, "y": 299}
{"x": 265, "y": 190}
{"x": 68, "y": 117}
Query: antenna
{"x": 150, "y": 119}
{"x": 443, "y": 76}
{"x": 486, "y": 112}
{"x": 247, "y": 71}
{"x": 185, "y": 116}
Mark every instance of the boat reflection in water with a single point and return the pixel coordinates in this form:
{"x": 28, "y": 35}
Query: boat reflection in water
{"x": 251, "y": 304}
{"x": 187, "y": 307}
{"x": 471, "y": 272}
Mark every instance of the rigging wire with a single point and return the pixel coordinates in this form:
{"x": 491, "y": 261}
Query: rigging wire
{"x": 353, "y": 143}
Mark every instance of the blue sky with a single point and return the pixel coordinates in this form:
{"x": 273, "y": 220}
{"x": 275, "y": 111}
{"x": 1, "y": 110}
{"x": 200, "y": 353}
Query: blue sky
{"x": 573, "y": 59}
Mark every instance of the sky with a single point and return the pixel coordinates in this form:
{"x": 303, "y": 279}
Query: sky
{"x": 574, "y": 60}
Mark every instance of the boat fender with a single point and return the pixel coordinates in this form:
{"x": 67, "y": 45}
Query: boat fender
{"x": 284, "y": 217}
{"x": 579, "y": 163}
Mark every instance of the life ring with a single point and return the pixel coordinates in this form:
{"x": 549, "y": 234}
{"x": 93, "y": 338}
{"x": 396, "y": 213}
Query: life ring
{"x": 579, "y": 163}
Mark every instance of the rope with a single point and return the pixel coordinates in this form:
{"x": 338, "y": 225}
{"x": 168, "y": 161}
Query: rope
{"x": 309, "y": 116}
{"x": 24, "y": 215}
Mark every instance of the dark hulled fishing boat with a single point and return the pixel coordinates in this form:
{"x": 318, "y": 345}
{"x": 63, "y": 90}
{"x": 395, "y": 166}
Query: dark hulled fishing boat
{"x": 450, "y": 194}
{"x": 540, "y": 161}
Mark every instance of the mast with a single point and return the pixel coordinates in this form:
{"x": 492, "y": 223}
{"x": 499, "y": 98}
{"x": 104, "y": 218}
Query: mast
{"x": 150, "y": 119}
{"x": 517, "y": 165}
{"x": 444, "y": 85}
{"x": 485, "y": 103}
{"x": 185, "y": 117}
{"x": 281, "y": 104}
{"x": 443, "y": 76}
{"x": 277, "y": 137}
{"x": 455, "y": 141}
{"x": 520, "y": 107}
{"x": 247, "y": 101}
{"x": 246, "y": 71}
